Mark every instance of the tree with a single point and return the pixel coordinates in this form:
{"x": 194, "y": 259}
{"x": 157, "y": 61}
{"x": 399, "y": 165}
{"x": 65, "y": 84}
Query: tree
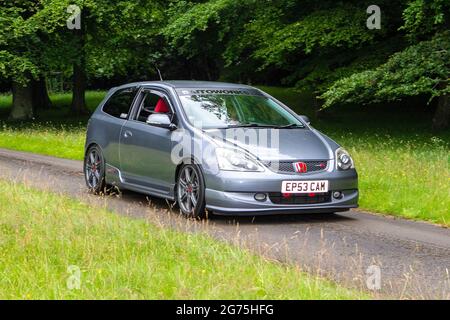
{"x": 200, "y": 32}
{"x": 24, "y": 29}
{"x": 299, "y": 43}
{"x": 115, "y": 38}
{"x": 423, "y": 68}
{"x": 323, "y": 47}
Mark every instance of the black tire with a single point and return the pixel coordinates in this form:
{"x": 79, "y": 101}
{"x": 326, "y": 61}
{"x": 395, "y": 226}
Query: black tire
{"x": 94, "y": 170}
{"x": 190, "y": 192}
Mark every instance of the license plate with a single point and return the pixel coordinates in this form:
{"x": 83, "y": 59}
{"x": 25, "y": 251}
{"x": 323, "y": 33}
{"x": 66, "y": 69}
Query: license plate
{"x": 304, "y": 186}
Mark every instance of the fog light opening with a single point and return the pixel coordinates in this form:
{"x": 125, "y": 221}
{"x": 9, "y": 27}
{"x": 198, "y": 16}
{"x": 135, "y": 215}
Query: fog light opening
{"x": 260, "y": 197}
{"x": 337, "y": 194}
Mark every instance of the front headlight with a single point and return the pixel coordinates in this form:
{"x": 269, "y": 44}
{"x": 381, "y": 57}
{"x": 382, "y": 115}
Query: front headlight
{"x": 236, "y": 160}
{"x": 343, "y": 160}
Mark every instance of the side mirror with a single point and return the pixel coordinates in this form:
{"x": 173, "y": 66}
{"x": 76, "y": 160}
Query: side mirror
{"x": 306, "y": 119}
{"x": 161, "y": 120}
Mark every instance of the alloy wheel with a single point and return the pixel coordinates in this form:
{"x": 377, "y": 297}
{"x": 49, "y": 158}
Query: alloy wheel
{"x": 93, "y": 169}
{"x": 188, "y": 189}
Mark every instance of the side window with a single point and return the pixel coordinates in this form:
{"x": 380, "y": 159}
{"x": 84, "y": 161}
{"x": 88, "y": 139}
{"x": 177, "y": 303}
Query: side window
{"x": 119, "y": 104}
{"x": 152, "y": 103}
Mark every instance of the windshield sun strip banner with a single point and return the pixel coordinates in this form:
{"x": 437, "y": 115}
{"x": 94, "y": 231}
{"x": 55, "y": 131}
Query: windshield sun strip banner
{"x": 217, "y": 91}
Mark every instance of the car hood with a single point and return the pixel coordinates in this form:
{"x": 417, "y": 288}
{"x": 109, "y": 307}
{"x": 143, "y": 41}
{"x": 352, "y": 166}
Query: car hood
{"x": 293, "y": 144}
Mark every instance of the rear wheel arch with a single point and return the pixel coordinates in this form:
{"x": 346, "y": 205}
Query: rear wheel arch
{"x": 101, "y": 184}
{"x": 90, "y": 145}
{"x": 95, "y": 144}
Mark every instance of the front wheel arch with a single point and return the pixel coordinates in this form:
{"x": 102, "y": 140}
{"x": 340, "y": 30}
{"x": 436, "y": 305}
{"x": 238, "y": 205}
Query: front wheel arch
{"x": 183, "y": 162}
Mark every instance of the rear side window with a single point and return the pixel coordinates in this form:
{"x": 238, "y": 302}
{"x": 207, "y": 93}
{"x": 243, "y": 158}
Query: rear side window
{"x": 119, "y": 104}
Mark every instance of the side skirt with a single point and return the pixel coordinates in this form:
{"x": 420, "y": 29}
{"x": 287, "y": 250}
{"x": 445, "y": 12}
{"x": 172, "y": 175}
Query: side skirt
{"x": 114, "y": 177}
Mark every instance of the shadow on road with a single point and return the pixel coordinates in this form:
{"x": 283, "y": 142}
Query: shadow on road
{"x": 134, "y": 197}
{"x": 282, "y": 218}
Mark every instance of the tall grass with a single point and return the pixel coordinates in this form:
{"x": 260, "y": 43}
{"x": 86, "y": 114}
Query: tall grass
{"x": 409, "y": 178}
{"x": 46, "y": 238}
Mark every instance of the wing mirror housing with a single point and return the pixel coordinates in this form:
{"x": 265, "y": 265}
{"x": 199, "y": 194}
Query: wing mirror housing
{"x": 306, "y": 119}
{"x": 161, "y": 120}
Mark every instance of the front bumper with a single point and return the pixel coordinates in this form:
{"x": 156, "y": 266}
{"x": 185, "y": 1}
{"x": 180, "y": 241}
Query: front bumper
{"x": 233, "y": 192}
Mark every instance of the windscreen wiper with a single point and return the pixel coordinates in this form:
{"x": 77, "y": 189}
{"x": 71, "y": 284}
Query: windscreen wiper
{"x": 292, "y": 125}
{"x": 257, "y": 125}
{"x": 251, "y": 125}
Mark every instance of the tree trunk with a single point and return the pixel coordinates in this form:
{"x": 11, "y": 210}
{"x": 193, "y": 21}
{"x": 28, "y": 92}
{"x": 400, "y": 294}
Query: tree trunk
{"x": 22, "y": 108}
{"x": 78, "y": 105}
{"x": 41, "y": 100}
{"x": 441, "y": 116}
{"x": 317, "y": 105}
{"x": 79, "y": 88}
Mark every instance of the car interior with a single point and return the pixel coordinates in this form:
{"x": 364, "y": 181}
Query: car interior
{"x": 152, "y": 103}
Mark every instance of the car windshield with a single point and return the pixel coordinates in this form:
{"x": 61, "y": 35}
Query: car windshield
{"x": 235, "y": 108}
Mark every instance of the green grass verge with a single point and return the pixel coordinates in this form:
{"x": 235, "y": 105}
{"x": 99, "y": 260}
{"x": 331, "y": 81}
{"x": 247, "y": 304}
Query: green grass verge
{"x": 42, "y": 234}
{"x": 54, "y": 132}
{"x": 404, "y": 167}
{"x": 409, "y": 178}
{"x": 64, "y": 141}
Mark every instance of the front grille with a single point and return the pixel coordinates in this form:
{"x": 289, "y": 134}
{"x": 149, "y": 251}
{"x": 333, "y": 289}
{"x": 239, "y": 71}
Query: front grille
{"x": 299, "y": 198}
{"x": 288, "y": 166}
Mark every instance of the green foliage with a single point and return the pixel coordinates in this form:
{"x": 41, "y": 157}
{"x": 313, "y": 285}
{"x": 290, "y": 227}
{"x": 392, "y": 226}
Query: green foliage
{"x": 24, "y": 28}
{"x": 327, "y": 29}
{"x": 122, "y": 36}
{"x": 200, "y": 32}
{"x": 318, "y": 73}
{"x": 324, "y": 47}
{"x": 189, "y": 21}
{"x": 423, "y": 17}
{"x": 250, "y": 39}
{"x": 35, "y": 40}
{"x": 18, "y": 67}
{"x": 423, "y": 68}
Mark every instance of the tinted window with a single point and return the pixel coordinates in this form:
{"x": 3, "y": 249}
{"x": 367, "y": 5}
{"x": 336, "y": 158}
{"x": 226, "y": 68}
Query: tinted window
{"x": 119, "y": 104}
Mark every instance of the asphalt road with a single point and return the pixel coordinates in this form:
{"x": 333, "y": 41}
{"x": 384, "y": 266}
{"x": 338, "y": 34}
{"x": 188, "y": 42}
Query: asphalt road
{"x": 413, "y": 257}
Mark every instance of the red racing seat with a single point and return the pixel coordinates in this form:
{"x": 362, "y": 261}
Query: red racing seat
{"x": 161, "y": 106}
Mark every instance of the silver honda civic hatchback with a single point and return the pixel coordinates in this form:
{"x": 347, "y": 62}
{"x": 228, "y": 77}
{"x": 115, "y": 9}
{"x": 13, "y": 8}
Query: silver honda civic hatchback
{"x": 215, "y": 147}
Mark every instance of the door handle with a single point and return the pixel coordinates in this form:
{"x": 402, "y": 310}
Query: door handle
{"x": 127, "y": 134}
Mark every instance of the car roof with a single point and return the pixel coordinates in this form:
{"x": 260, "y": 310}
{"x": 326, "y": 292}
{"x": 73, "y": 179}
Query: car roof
{"x": 188, "y": 84}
